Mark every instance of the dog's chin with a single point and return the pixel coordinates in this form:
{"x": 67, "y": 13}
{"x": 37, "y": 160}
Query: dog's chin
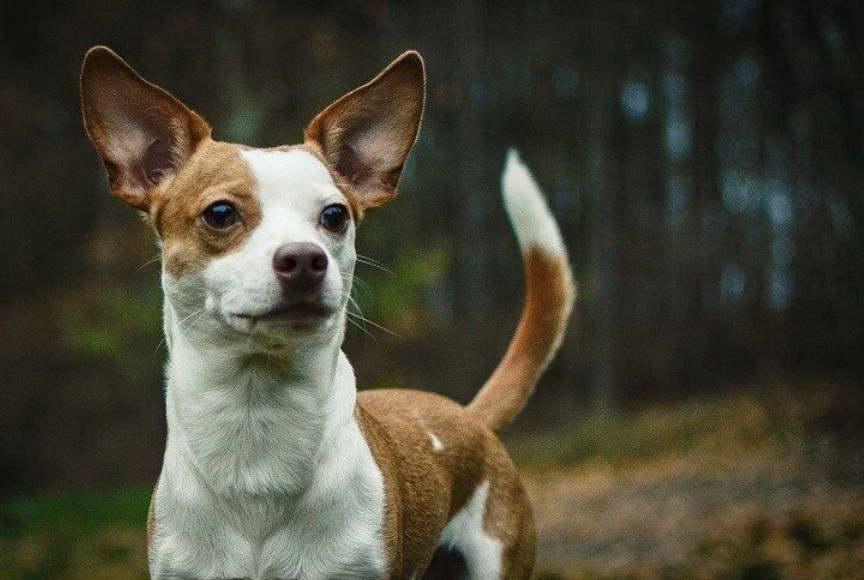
{"x": 299, "y": 319}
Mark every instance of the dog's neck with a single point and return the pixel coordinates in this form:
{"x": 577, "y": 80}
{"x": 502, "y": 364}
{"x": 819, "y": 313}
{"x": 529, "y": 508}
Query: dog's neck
{"x": 255, "y": 424}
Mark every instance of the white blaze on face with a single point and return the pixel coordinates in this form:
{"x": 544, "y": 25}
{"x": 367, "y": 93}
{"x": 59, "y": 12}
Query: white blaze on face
{"x": 293, "y": 188}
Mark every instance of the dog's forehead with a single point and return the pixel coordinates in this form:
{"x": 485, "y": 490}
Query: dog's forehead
{"x": 290, "y": 177}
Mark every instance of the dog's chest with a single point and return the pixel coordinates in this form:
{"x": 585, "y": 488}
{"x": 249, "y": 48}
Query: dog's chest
{"x": 331, "y": 530}
{"x": 310, "y": 546}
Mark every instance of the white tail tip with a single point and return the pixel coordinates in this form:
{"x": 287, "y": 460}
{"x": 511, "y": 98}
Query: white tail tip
{"x": 533, "y": 222}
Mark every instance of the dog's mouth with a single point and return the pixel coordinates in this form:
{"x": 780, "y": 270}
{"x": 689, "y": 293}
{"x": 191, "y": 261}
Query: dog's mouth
{"x": 298, "y": 314}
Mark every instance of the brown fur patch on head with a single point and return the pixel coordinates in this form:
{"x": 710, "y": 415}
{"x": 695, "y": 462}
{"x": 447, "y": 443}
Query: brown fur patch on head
{"x": 216, "y": 172}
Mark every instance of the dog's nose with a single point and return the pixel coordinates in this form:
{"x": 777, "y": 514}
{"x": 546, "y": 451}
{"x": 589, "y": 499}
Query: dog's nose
{"x": 300, "y": 265}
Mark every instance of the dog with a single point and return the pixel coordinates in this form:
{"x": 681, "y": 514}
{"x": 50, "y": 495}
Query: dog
{"x": 275, "y": 466}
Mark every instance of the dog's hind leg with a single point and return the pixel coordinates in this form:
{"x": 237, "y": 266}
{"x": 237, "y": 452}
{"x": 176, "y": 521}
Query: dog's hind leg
{"x": 491, "y": 537}
{"x": 518, "y": 561}
{"x": 508, "y": 516}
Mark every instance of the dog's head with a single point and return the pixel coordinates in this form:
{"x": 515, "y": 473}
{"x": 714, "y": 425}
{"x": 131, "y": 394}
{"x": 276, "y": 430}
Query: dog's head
{"x": 257, "y": 244}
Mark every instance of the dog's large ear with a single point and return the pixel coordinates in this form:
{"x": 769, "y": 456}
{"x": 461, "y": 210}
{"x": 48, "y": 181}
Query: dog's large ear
{"x": 143, "y": 133}
{"x": 367, "y": 134}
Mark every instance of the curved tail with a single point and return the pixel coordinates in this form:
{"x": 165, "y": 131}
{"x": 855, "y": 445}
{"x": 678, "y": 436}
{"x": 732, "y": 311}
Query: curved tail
{"x": 548, "y": 300}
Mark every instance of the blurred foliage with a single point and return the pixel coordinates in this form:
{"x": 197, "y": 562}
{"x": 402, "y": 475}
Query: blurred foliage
{"x": 392, "y": 294}
{"x": 97, "y": 325}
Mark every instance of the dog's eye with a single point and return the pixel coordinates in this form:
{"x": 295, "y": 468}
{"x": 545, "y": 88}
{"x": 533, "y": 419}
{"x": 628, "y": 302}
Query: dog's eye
{"x": 334, "y": 217}
{"x": 220, "y": 215}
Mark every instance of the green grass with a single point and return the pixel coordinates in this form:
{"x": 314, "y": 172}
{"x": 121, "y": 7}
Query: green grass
{"x": 82, "y": 535}
{"x": 73, "y": 514}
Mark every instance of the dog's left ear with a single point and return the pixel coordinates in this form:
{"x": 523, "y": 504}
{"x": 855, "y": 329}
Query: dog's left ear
{"x": 367, "y": 134}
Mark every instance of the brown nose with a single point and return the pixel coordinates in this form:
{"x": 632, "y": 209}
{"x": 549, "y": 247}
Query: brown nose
{"x": 300, "y": 265}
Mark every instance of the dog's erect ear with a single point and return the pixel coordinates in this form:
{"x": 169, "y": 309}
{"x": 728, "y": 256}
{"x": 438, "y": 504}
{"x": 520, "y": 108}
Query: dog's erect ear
{"x": 143, "y": 133}
{"x": 367, "y": 134}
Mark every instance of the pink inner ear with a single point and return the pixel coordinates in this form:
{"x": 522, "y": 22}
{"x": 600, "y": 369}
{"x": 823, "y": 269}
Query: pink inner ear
{"x": 138, "y": 160}
{"x": 368, "y": 133}
{"x": 158, "y": 162}
{"x": 371, "y": 151}
{"x": 350, "y": 166}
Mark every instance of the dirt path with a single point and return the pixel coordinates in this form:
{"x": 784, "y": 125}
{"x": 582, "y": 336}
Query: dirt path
{"x": 696, "y": 518}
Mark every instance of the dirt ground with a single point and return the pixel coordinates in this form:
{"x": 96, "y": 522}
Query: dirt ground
{"x": 740, "y": 522}
{"x": 750, "y": 488}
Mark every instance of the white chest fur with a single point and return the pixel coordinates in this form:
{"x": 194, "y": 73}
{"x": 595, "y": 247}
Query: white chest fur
{"x": 279, "y": 485}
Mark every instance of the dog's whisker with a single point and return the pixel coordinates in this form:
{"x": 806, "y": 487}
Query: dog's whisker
{"x": 370, "y": 259}
{"x": 192, "y": 324}
{"x": 180, "y": 324}
{"x": 155, "y": 258}
{"x": 363, "y": 330}
{"x": 358, "y": 315}
{"x": 362, "y": 285}
{"x": 374, "y": 265}
{"x": 356, "y": 304}
{"x": 375, "y": 324}
{"x": 158, "y": 346}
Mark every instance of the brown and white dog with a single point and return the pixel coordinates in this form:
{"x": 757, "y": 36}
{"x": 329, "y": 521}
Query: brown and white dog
{"x": 275, "y": 467}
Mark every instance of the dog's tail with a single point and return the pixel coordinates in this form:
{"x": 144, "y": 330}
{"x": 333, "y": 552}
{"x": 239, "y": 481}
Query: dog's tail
{"x": 548, "y": 300}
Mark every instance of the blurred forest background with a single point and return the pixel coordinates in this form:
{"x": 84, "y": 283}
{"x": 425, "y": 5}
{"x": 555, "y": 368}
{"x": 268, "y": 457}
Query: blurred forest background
{"x": 705, "y": 160}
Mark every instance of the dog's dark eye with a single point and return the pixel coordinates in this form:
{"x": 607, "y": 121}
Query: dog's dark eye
{"x": 334, "y": 217}
{"x": 220, "y": 215}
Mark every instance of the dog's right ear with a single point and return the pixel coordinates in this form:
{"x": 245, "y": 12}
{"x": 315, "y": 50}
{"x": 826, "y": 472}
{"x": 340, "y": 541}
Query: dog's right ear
{"x": 143, "y": 133}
